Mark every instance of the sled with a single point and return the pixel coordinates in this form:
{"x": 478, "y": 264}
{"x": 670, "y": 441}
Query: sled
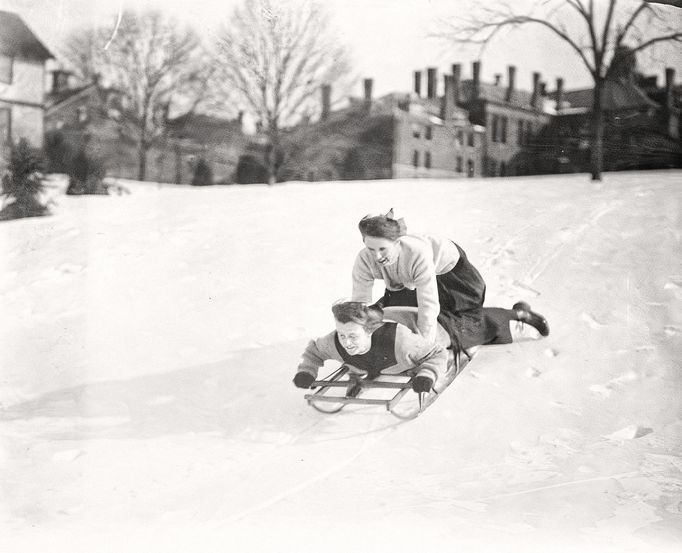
{"x": 394, "y": 392}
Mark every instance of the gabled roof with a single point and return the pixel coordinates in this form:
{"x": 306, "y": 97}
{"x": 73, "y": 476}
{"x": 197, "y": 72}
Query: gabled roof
{"x": 618, "y": 95}
{"x": 17, "y": 40}
{"x": 53, "y": 99}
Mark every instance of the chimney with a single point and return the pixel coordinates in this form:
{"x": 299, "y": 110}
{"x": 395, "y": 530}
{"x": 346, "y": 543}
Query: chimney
{"x": 498, "y": 79}
{"x": 368, "y": 93}
{"x": 476, "y": 67}
{"x": 447, "y": 106}
{"x": 456, "y": 79}
{"x": 559, "y": 93}
{"x": 326, "y": 101}
{"x": 431, "y": 82}
{"x": 60, "y": 81}
{"x": 543, "y": 88}
{"x": 536, "y": 89}
{"x": 418, "y": 83}
{"x": 511, "y": 76}
{"x": 669, "y": 86}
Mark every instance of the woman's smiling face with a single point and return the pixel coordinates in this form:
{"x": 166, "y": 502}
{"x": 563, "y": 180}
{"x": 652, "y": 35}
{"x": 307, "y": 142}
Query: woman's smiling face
{"x": 383, "y": 250}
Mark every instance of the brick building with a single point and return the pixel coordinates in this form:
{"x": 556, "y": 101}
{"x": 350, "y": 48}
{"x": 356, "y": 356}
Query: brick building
{"x": 641, "y": 125}
{"x": 511, "y": 116}
{"x": 90, "y": 116}
{"x": 22, "y": 74}
{"x": 394, "y": 136}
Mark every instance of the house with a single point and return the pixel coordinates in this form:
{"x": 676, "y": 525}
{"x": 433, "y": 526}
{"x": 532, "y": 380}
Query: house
{"x": 511, "y": 116}
{"x": 394, "y": 136}
{"x": 218, "y": 141}
{"x": 90, "y": 115}
{"x": 641, "y": 124}
{"x": 86, "y": 116}
{"x": 22, "y": 74}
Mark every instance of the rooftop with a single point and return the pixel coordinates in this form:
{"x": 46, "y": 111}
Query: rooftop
{"x": 618, "y": 95}
{"x": 17, "y": 40}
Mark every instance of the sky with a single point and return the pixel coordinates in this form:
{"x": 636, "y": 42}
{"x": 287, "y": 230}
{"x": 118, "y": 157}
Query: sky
{"x": 388, "y": 39}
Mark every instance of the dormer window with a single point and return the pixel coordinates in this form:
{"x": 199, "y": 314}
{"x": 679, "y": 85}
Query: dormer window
{"x": 6, "y": 69}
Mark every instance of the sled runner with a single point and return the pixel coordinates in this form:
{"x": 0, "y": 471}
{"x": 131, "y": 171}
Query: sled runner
{"x": 391, "y": 391}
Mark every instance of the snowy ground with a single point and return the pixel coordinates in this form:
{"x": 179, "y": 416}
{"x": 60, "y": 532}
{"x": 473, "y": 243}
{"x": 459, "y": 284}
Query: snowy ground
{"x": 148, "y": 341}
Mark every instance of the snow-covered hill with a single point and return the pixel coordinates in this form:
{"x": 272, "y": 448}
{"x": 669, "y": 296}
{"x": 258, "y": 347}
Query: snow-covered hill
{"x": 148, "y": 341}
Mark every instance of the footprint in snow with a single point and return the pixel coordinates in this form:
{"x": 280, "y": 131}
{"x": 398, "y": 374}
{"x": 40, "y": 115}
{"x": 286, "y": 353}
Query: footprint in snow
{"x": 671, "y": 330}
{"x": 525, "y": 288}
{"x": 533, "y": 372}
{"x": 551, "y": 352}
{"x": 67, "y": 455}
{"x": 675, "y": 286}
{"x": 605, "y": 390}
{"x": 71, "y": 268}
{"x": 601, "y": 389}
{"x": 591, "y": 321}
{"x": 631, "y": 432}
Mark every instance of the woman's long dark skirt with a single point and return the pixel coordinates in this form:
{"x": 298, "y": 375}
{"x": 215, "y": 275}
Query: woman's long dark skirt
{"x": 461, "y": 293}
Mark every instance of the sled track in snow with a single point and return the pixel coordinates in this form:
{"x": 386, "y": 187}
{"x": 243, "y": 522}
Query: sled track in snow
{"x": 336, "y": 467}
{"x": 543, "y": 262}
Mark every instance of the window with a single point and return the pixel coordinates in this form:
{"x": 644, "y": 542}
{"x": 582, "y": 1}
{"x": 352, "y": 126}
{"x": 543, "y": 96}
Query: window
{"x": 415, "y": 158}
{"x": 503, "y": 130}
{"x": 470, "y": 168}
{"x": 524, "y": 132}
{"x": 82, "y": 114}
{"x": 471, "y": 139}
{"x": 6, "y": 69}
{"x": 460, "y": 137}
{"x": 416, "y": 131}
{"x": 503, "y": 168}
{"x": 494, "y": 128}
{"x": 5, "y": 127}
{"x": 459, "y": 164}
{"x": 428, "y": 133}
{"x": 427, "y": 160}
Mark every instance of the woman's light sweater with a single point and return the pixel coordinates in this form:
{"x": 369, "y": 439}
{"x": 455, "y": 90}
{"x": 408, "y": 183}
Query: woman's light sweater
{"x": 419, "y": 260}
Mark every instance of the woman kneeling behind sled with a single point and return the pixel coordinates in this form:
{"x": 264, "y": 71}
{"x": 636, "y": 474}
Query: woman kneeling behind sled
{"x": 370, "y": 346}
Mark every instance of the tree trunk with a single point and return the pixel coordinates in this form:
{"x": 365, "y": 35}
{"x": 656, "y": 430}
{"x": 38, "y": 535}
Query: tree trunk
{"x": 597, "y": 153}
{"x": 271, "y": 153}
{"x": 141, "y": 162}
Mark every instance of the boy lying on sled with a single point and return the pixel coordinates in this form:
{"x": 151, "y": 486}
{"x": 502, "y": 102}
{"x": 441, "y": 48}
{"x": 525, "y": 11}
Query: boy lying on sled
{"x": 370, "y": 343}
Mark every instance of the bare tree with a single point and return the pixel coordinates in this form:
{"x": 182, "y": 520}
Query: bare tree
{"x": 159, "y": 69}
{"x": 606, "y": 30}
{"x": 84, "y": 52}
{"x": 275, "y": 57}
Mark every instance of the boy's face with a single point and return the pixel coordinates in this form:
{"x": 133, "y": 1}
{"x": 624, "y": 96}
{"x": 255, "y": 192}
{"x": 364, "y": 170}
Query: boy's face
{"x": 353, "y": 337}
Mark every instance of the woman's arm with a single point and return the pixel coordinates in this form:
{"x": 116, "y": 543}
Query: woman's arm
{"x": 317, "y": 352}
{"x": 363, "y": 280}
{"x": 428, "y": 306}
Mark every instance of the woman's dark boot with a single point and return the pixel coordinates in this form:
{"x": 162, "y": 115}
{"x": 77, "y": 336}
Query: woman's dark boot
{"x": 525, "y": 315}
